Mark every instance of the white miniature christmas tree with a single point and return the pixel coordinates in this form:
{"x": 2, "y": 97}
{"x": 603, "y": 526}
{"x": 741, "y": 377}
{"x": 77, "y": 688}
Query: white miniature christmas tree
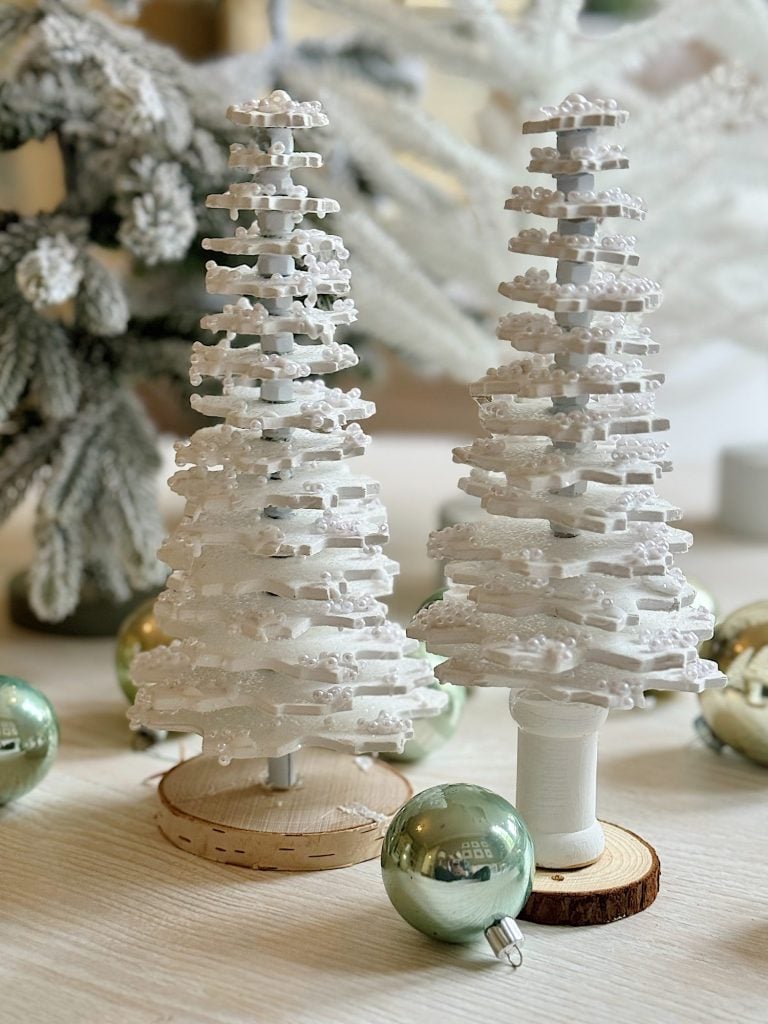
{"x": 569, "y": 597}
{"x": 281, "y": 641}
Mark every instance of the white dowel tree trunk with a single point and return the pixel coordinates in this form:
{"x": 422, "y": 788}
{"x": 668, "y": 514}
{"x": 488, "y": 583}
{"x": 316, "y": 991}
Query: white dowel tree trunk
{"x": 280, "y": 639}
{"x": 569, "y": 597}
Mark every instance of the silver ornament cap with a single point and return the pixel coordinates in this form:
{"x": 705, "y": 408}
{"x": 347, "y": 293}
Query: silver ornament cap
{"x": 505, "y": 939}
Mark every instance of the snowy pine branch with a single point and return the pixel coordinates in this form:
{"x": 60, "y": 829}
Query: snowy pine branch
{"x": 55, "y": 377}
{"x": 22, "y": 457}
{"x": 56, "y": 574}
{"x": 140, "y": 148}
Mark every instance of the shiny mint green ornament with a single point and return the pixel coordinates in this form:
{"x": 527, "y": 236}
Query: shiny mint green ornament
{"x": 29, "y": 737}
{"x": 458, "y": 863}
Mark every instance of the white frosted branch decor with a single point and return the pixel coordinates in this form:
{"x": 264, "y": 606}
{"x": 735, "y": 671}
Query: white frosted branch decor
{"x": 569, "y": 597}
{"x": 280, "y": 637}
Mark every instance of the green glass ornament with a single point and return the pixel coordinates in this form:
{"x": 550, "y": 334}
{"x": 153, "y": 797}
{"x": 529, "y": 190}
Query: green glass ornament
{"x": 429, "y": 734}
{"x": 139, "y": 632}
{"x": 29, "y": 737}
{"x": 458, "y": 863}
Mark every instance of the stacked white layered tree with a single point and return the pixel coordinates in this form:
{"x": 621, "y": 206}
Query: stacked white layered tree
{"x": 569, "y": 597}
{"x": 277, "y": 567}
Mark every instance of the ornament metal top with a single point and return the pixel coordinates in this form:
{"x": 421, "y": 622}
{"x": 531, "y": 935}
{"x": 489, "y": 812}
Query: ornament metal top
{"x": 570, "y": 597}
{"x": 280, "y": 639}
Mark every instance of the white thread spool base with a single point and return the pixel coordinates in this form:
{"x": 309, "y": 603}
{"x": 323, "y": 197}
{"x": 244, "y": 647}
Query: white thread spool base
{"x": 622, "y": 882}
{"x": 557, "y": 779}
{"x": 228, "y": 815}
{"x": 576, "y": 849}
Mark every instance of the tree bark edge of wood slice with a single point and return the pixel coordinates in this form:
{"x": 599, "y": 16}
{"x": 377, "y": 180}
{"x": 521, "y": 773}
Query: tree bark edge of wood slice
{"x": 227, "y": 814}
{"x": 623, "y": 882}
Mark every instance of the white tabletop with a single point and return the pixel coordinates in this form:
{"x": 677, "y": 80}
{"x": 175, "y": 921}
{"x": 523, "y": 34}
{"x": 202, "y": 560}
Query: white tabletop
{"x": 104, "y": 921}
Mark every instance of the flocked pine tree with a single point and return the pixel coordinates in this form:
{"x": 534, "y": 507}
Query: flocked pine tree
{"x": 281, "y": 641}
{"x": 104, "y": 291}
{"x": 569, "y": 596}
{"x": 94, "y": 294}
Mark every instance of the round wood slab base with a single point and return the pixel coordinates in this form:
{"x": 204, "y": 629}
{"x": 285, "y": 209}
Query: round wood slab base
{"x": 335, "y": 816}
{"x": 624, "y": 881}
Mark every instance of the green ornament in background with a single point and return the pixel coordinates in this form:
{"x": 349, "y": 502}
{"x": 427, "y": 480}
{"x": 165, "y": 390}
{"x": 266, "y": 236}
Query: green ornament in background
{"x": 437, "y": 596}
{"x": 29, "y": 737}
{"x": 139, "y": 632}
{"x": 429, "y": 734}
{"x": 458, "y": 863}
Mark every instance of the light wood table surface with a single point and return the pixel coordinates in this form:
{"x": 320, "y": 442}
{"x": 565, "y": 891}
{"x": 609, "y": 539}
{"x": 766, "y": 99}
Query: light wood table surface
{"x": 104, "y": 922}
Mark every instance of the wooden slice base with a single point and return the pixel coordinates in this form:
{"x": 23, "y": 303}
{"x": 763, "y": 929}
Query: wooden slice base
{"x": 624, "y": 881}
{"x": 227, "y": 813}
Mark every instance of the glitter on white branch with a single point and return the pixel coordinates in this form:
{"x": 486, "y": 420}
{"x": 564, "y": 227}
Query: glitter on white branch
{"x": 569, "y": 595}
{"x": 280, "y": 639}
